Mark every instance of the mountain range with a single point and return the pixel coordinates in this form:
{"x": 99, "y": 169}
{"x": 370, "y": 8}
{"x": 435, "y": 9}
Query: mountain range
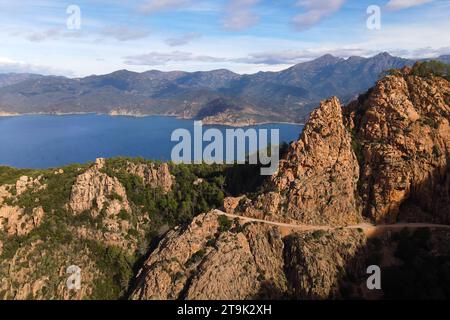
{"x": 218, "y": 96}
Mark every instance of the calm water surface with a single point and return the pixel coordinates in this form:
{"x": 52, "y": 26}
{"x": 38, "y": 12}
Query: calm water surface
{"x": 44, "y": 141}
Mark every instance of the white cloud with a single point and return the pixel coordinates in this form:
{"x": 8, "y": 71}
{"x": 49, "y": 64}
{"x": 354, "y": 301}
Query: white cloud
{"x": 54, "y": 33}
{"x": 290, "y": 57}
{"x": 429, "y": 52}
{"x": 315, "y": 11}
{"x": 404, "y": 4}
{"x": 183, "y": 39}
{"x": 162, "y": 58}
{"x": 12, "y": 66}
{"x": 152, "y": 6}
{"x": 122, "y": 33}
{"x": 239, "y": 15}
{"x": 119, "y": 33}
{"x": 44, "y": 35}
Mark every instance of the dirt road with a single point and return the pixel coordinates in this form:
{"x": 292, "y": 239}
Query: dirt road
{"x": 369, "y": 229}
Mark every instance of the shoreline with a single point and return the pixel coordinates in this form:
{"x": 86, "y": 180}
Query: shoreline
{"x": 133, "y": 115}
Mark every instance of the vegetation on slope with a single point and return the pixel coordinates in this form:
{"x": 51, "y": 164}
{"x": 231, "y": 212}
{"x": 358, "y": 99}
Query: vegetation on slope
{"x": 197, "y": 189}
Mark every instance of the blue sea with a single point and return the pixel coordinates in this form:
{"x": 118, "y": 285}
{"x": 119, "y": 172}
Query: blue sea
{"x": 46, "y": 141}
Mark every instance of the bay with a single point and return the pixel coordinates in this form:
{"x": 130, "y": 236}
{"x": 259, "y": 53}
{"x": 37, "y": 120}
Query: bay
{"x": 46, "y": 141}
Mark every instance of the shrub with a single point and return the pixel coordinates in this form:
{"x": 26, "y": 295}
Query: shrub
{"x": 224, "y": 223}
{"x": 431, "y": 68}
{"x": 196, "y": 257}
{"x": 318, "y": 234}
{"x": 124, "y": 215}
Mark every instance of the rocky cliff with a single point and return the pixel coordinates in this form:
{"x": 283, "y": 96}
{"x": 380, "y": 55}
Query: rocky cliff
{"x": 401, "y": 135}
{"x": 318, "y": 179}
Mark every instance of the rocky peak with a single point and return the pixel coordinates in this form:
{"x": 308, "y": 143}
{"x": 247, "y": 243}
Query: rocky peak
{"x": 320, "y": 173}
{"x": 402, "y": 136}
{"x": 153, "y": 175}
{"x": 94, "y": 191}
{"x": 25, "y": 183}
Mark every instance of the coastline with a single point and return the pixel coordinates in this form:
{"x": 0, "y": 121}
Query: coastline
{"x": 237, "y": 124}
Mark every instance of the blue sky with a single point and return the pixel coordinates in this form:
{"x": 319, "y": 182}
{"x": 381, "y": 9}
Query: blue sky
{"x": 244, "y": 36}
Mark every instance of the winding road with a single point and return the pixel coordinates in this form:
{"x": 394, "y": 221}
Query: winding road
{"x": 369, "y": 229}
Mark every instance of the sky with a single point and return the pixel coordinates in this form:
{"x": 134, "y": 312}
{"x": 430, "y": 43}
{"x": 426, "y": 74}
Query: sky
{"x": 78, "y": 38}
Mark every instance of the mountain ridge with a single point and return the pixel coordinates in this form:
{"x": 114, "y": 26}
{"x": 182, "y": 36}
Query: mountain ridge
{"x": 287, "y": 95}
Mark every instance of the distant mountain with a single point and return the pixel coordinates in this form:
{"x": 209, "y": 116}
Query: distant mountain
{"x": 288, "y": 95}
{"x": 7, "y": 79}
{"x": 444, "y": 58}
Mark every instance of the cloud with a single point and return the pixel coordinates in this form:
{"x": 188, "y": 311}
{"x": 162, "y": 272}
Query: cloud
{"x": 12, "y": 66}
{"x": 44, "y": 35}
{"x": 152, "y": 6}
{"x": 282, "y": 57}
{"x": 122, "y": 33}
{"x": 239, "y": 15}
{"x": 404, "y": 4}
{"x": 289, "y": 57}
{"x": 47, "y": 34}
{"x": 184, "y": 39}
{"x": 162, "y": 58}
{"x": 428, "y": 52}
{"x": 315, "y": 11}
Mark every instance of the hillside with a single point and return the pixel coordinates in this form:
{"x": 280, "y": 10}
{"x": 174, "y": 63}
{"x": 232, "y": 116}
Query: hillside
{"x": 102, "y": 217}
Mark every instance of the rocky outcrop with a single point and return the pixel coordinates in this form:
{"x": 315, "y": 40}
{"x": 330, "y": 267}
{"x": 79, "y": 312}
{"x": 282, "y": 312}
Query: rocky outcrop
{"x": 230, "y": 204}
{"x": 15, "y": 221}
{"x": 5, "y": 192}
{"x": 25, "y": 183}
{"x": 166, "y": 272}
{"x": 88, "y": 222}
{"x": 199, "y": 262}
{"x": 95, "y": 191}
{"x": 315, "y": 262}
{"x": 153, "y": 175}
{"x": 249, "y": 261}
{"x": 402, "y": 136}
{"x": 317, "y": 181}
{"x": 36, "y": 273}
